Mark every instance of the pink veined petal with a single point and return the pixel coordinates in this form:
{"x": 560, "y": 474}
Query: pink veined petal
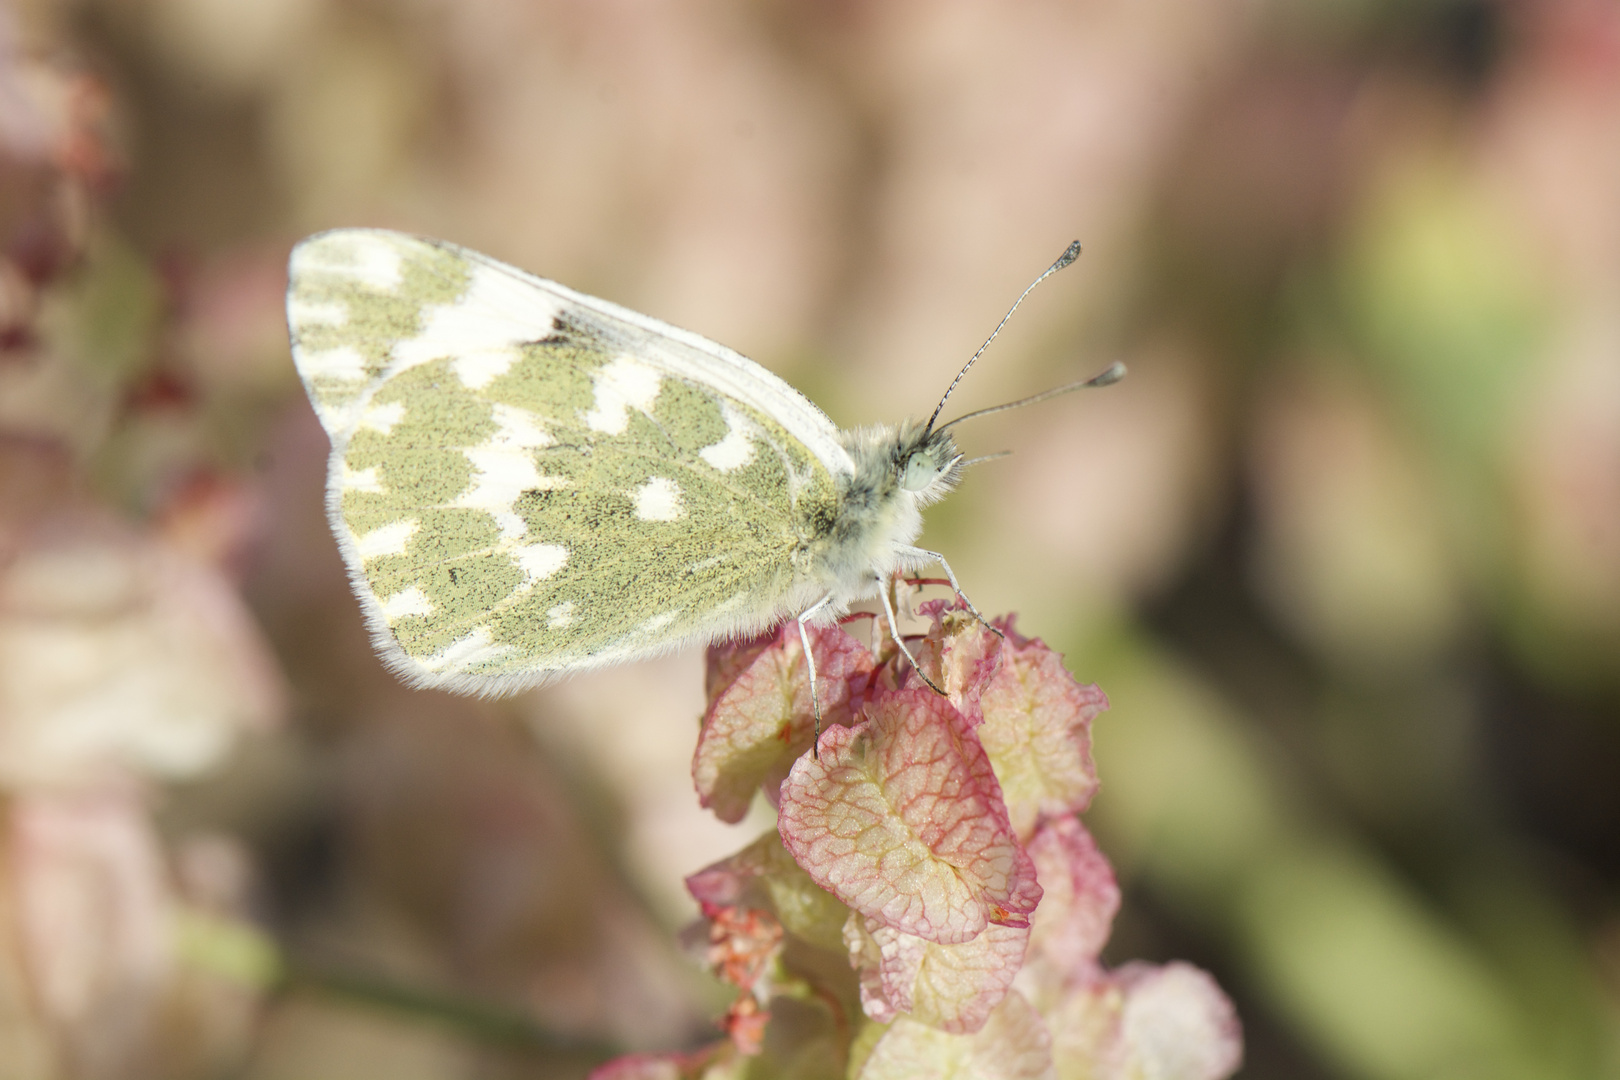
{"x": 1079, "y": 900}
{"x": 960, "y": 654}
{"x": 1085, "y": 1027}
{"x": 760, "y": 717}
{"x": 1170, "y": 1022}
{"x": 763, "y": 875}
{"x": 901, "y": 818}
{"x": 723, "y": 661}
{"x": 950, "y": 987}
{"x": 740, "y": 879}
{"x": 1037, "y": 731}
{"x": 1177, "y": 1024}
{"x": 866, "y": 957}
{"x": 1013, "y": 1044}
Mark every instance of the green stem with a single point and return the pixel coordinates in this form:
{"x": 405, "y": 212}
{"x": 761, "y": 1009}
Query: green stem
{"x": 477, "y": 1019}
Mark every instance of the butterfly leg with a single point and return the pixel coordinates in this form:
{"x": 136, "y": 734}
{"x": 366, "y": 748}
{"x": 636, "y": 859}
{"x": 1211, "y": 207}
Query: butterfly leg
{"x": 950, "y": 575}
{"x": 888, "y": 610}
{"x": 810, "y": 662}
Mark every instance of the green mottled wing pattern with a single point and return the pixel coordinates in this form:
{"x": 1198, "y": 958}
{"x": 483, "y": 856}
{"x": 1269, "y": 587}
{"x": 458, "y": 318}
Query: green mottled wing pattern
{"x": 525, "y": 480}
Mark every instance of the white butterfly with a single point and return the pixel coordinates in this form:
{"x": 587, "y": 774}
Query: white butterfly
{"x": 526, "y": 481}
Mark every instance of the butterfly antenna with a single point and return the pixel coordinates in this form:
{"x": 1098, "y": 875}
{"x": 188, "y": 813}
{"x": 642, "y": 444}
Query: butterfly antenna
{"x": 1106, "y": 377}
{"x": 1071, "y": 253}
{"x": 984, "y": 457}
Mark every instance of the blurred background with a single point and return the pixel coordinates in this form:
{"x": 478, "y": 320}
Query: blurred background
{"x": 1344, "y": 549}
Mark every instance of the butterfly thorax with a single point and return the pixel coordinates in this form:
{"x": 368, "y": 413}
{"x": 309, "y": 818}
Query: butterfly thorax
{"x": 899, "y": 469}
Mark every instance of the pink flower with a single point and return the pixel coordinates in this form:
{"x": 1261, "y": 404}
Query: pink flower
{"x": 930, "y": 904}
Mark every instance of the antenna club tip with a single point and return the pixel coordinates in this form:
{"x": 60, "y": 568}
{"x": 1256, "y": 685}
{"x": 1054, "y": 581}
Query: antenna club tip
{"x": 1110, "y": 375}
{"x": 1071, "y": 253}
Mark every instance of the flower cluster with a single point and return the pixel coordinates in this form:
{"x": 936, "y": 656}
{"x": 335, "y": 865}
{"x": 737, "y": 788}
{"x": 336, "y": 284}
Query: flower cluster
{"x": 931, "y": 905}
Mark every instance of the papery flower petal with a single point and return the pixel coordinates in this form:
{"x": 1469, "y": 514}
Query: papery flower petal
{"x": 1177, "y": 1024}
{"x": 742, "y": 942}
{"x": 950, "y": 987}
{"x": 959, "y": 653}
{"x": 1078, "y": 902}
{"x": 745, "y": 1023}
{"x": 724, "y": 660}
{"x": 1170, "y": 1023}
{"x": 866, "y": 957}
{"x": 763, "y": 875}
{"x": 760, "y": 716}
{"x": 1037, "y": 731}
{"x": 901, "y": 818}
{"x": 1012, "y": 1045}
{"x": 1085, "y": 1028}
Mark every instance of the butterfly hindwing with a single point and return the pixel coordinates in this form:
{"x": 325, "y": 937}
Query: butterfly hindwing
{"x": 525, "y": 480}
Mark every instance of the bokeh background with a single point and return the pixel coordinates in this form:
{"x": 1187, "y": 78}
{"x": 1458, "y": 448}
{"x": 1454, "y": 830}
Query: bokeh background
{"x": 1344, "y": 549}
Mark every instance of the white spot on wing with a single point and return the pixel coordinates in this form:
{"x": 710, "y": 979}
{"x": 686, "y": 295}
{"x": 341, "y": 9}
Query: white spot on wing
{"x": 477, "y": 370}
{"x": 339, "y": 419}
{"x": 344, "y": 364}
{"x": 412, "y": 601}
{"x": 481, "y": 331}
{"x": 659, "y": 499}
{"x": 377, "y": 264}
{"x": 736, "y": 449}
{"x": 657, "y": 622}
{"x": 560, "y": 616}
{"x": 382, "y": 418}
{"x": 361, "y": 479}
{"x": 518, "y": 427}
{"x": 540, "y": 561}
{"x": 368, "y": 258}
{"x": 622, "y": 384}
{"x": 302, "y": 311}
{"x": 504, "y": 468}
{"x": 467, "y": 653}
{"x": 388, "y": 540}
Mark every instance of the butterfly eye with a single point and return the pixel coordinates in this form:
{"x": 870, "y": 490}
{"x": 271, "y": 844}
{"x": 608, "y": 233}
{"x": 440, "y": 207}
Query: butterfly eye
{"x": 921, "y": 469}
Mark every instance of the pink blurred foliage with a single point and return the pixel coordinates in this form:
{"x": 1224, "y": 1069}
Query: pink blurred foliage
{"x": 931, "y": 903}
{"x": 92, "y": 908}
{"x": 125, "y": 660}
{"x": 125, "y": 664}
{"x": 710, "y": 1062}
{"x": 128, "y": 660}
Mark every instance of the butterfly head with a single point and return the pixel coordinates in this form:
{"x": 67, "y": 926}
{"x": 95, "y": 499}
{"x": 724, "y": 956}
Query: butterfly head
{"x": 931, "y": 460}
{"x": 927, "y": 462}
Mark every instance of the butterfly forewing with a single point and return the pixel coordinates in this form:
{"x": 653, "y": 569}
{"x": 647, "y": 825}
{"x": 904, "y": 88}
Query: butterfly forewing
{"x": 525, "y": 480}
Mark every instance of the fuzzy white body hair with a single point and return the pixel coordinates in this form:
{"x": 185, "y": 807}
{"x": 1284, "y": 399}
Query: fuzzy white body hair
{"x": 878, "y": 518}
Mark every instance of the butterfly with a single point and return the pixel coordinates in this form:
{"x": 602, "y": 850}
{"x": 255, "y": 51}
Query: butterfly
{"x": 526, "y": 481}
